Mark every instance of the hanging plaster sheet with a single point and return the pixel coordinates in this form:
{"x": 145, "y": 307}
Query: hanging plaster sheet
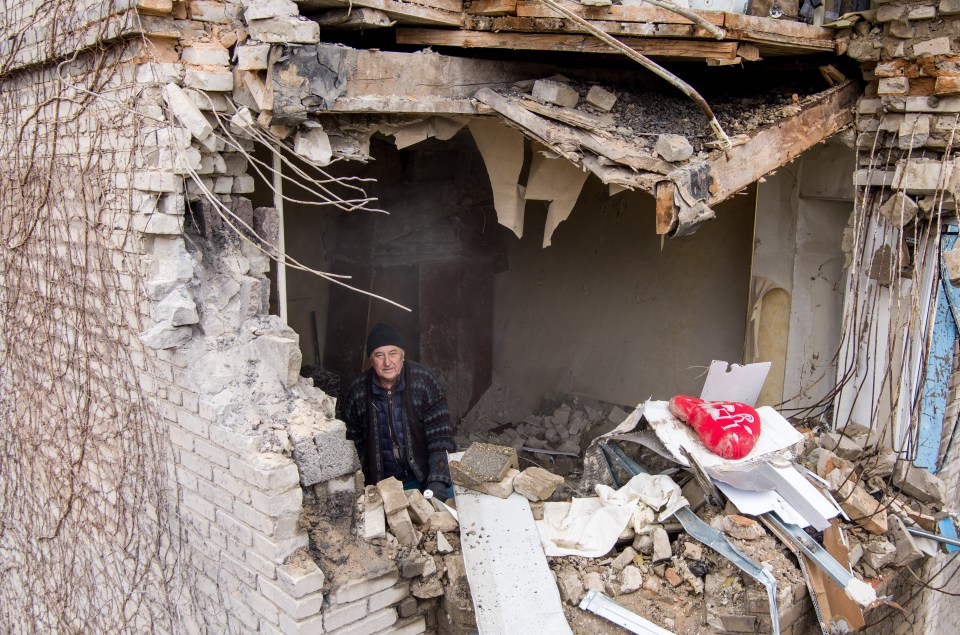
{"x": 502, "y": 151}
{"x": 558, "y": 181}
{"x": 740, "y": 383}
{"x": 590, "y": 527}
{"x": 512, "y": 587}
{"x": 777, "y": 436}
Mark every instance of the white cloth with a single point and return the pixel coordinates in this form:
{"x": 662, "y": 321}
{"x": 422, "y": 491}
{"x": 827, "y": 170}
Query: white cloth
{"x": 590, "y": 527}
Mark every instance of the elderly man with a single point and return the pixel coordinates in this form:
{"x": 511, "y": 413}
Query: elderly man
{"x": 397, "y": 416}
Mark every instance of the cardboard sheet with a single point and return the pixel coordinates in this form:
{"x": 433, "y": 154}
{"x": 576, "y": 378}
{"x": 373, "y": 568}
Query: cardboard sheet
{"x": 502, "y": 151}
{"x": 739, "y": 383}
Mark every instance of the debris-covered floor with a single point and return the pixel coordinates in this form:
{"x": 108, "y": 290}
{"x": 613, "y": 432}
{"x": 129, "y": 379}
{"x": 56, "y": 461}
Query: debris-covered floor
{"x": 655, "y": 568}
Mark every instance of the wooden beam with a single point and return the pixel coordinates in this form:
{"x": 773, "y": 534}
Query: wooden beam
{"x": 353, "y": 19}
{"x": 687, "y": 49}
{"x": 615, "y": 13}
{"x": 492, "y": 7}
{"x": 558, "y": 25}
{"x": 771, "y": 26}
{"x": 780, "y": 143}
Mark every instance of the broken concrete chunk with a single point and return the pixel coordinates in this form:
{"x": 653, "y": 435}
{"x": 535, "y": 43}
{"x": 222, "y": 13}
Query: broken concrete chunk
{"x": 593, "y": 582}
{"x": 571, "y": 589}
{"x": 425, "y": 589}
{"x": 555, "y": 93}
{"x": 601, "y": 98}
{"x": 443, "y": 545}
{"x": 186, "y": 111}
{"x": 265, "y": 9}
{"x": 394, "y": 498}
{"x": 951, "y": 260}
{"x": 630, "y": 580}
{"x": 164, "y": 335}
{"x": 313, "y": 144}
{"x": 920, "y": 484}
{"x": 625, "y": 558}
{"x": 907, "y": 550}
{"x": 402, "y": 527}
{"x": 420, "y": 510}
{"x": 824, "y": 461}
{"x": 739, "y": 526}
{"x": 661, "y": 545}
{"x": 442, "y": 521}
{"x": 537, "y": 484}
{"x": 483, "y": 462}
{"x": 878, "y": 553}
{"x": 413, "y": 565}
{"x": 862, "y": 508}
{"x": 673, "y": 147}
{"x": 502, "y": 488}
{"x": 899, "y": 209}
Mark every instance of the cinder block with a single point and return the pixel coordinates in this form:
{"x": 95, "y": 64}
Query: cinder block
{"x": 353, "y": 590}
{"x": 344, "y": 614}
{"x": 297, "y": 608}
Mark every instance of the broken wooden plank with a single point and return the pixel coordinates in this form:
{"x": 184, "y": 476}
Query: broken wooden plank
{"x": 571, "y": 116}
{"x": 560, "y": 25}
{"x": 492, "y": 7}
{"x": 615, "y": 13}
{"x": 667, "y": 212}
{"x": 430, "y": 12}
{"x": 785, "y": 44}
{"x": 771, "y": 26}
{"x": 780, "y": 143}
{"x": 685, "y": 49}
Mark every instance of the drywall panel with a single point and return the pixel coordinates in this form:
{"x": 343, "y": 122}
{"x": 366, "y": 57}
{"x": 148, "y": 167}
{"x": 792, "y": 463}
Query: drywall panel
{"x": 607, "y": 312}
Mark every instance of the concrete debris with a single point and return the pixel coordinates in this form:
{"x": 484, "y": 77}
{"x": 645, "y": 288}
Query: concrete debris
{"x": 443, "y": 545}
{"x": 502, "y": 488}
{"x": 374, "y": 520}
{"x": 920, "y": 484}
{"x": 907, "y": 551}
{"x": 165, "y": 335}
{"x": 863, "y": 509}
{"x": 673, "y": 147}
{"x": 394, "y": 498}
{"x": 601, "y": 98}
{"x": 739, "y": 527}
{"x": 630, "y": 580}
{"x": 899, "y": 209}
{"x": 555, "y": 93}
{"x": 570, "y": 585}
{"x": 879, "y": 553}
{"x": 420, "y": 510}
{"x": 536, "y": 483}
{"x": 483, "y": 463}
{"x": 313, "y": 144}
{"x": 401, "y": 526}
{"x": 661, "y": 549}
{"x": 625, "y": 558}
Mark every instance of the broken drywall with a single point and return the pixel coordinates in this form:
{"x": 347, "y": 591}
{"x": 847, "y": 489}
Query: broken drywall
{"x": 503, "y": 154}
{"x": 555, "y": 180}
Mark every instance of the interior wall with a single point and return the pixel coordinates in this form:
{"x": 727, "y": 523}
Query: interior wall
{"x": 608, "y": 312}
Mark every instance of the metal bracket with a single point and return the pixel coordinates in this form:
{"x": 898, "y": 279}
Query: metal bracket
{"x": 599, "y": 604}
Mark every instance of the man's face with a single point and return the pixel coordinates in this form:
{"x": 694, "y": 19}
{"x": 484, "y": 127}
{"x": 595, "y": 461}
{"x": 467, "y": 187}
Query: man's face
{"x": 387, "y": 362}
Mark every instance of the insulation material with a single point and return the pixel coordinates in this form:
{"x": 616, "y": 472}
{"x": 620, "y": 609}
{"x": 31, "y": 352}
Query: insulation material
{"x": 502, "y": 151}
{"x": 558, "y": 181}
{"x": 442, "y": 128}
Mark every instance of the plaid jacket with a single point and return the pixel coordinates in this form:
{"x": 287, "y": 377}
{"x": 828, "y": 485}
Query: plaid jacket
{"x": 428, "y": 431}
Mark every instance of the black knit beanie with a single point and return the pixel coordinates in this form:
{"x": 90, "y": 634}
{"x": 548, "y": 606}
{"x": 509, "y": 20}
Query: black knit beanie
{"x": 383, "y": 335}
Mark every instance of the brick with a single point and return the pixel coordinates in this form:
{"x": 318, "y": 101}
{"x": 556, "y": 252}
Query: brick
{"x": 392, "y": 494}
{"x": 893, "y": 86}
{"x": 220, "y": 498}
{"x": 212, "y": 453}
{"x": 267, "y": 568}
{"x": 388, "y": 597}
{"x": 194, "y": 424}
{"x": 601, "y": 98}
{"x": 239, "y": 570}
{"x": 309, "y": 626}
{"x": 537, "y": 484}
{"x": 262, "y": 606}
{"x": 266, "y": 471}
{"x": 555, "y": 93}
{"x": 353, "y": 590}
{"x": 342, "y": 615}
{"x": 371, "y": 624}
{"x": 257, "y": 520}
{"x": 288, "y": 502}
{"x": 301, "y": 578}
{"x": 253, "y": 57}
{"x": 208, "y": 11}
{"x": 265, "y": 9}
{"x": 181, "y": 438}
{"x": 409, "y": 627}
{"x": 278, "y": 550}
{"x": 297, "y": 608}
{"x": 205, "y": 54}
{"x": 234, "y": 528}
{"x": 239, "y": 489}
{"x": 287, "y": 29}
{"x": 201, "y": 506}
{"x": 235, "y": 441}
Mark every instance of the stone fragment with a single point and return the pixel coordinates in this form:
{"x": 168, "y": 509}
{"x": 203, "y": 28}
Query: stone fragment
{"x": 630, "y": 580}
{"x": 946, "y": 85}
{"x": 593, "y": 582}
{"x": 601, "y": 98}
{"x": 555, "y": 93}
{"x": 313, "y": 144}
{"x": 281, "y": 355}
{"x": 643, "y": 543}
{"x": 692, "y": 551}
{"x": 502, "y": 488}
{"x": 164, "y": 335}
{"x": 739, "y": 526}
{"x": 888, "y": 12}
{"x": 882, "y": 266}
{"x": 374, "y": 520}
{"x": 483, "y": 462}
{"x": 205, "y": 54}
{"x": 949, "y": 7}
{"x": 571, "y": 589}
{"x": 413, "y": 565}
{"x": 936, "y": 46}
{"x": 536, "y": 509}
{"x": 899, "y": 209}
{"x": 920, "y": 484}
{"x": 879, "y": 553}
{"x": 661, "y": 545}
{"x": 893, "y": 86}
{"x": 907, "y": 550}
{"x": 425, "y": 589}
{"x": 402, "y": 528}
{"x": 407, "y": 607}
{"x": 625, "y": 558}
{"x": 394, "y": 498}
{"x": 177, "y": 307}
{"x": 186, "y": 111}
{"x": 420, "y": 509}
{"x": 914, "y": 132}
{"x": 536, "y": 483}
{"x": 673, "y": 147}
{"x": 901, "y": 29}
{"x": 442, "y": 521}
{"x": 443, "y": 545}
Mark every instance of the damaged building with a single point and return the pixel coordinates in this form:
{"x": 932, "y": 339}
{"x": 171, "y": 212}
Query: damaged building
{"x": 570, "y": 210}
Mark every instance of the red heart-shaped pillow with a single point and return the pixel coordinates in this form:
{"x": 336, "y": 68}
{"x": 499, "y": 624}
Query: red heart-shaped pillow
{"x": 729, "y": 429}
